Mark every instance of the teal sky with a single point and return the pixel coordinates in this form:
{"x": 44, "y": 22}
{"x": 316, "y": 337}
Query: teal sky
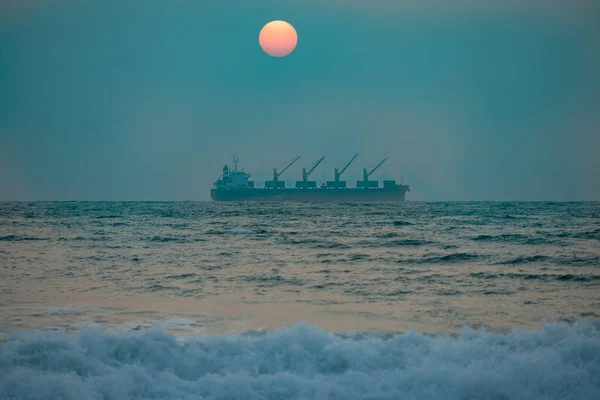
{"x": 146, "y": 100}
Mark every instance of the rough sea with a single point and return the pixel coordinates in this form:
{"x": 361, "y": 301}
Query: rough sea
{"x": 202, "y": 300}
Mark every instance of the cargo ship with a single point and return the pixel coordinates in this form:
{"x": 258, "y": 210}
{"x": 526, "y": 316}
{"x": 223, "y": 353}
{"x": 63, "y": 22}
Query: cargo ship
{"x": 236, "y": 185}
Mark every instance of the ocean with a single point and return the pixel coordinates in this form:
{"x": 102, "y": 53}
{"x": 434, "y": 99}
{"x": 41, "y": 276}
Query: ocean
{"x": 204, "y": 300}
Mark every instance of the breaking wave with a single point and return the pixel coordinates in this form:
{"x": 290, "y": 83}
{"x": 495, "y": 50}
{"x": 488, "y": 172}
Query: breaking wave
{"x": 559, "y": 361}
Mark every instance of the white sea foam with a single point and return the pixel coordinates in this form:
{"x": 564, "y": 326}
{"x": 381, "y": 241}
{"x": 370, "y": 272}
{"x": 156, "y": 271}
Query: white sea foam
{"x": 559, "y": 361}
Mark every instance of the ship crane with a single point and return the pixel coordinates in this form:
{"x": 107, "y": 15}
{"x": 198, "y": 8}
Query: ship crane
{"x": 336, "y": 183}
{"x": 367, "y": 175}
{"x": 276, "y": 183}
{"x": 366, "y": 183}
{"x": 305, "y": 183}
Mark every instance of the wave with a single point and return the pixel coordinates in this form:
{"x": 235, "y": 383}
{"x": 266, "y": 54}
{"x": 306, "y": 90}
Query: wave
{"x": 182, "y": 276}
{"x": 594, "y": 235}
{"x": 525, "y": 260}
{"x": 166, "y": 239}
{"x": 591, "y": 235}
{"x": 17, "y": 238}
{"x": 238, "y": 232}
{"x": 378, "y": 244}
{"x": 408, "y": 242}
{"x": 451, "y": 258}
{"x": 513, "y": 238}
{"x": 592, "y": 261}
{"x": 559, "y": 361}
{"x": 443, "y": 259}
{"x": 268, "y": 281}
{"x": 402, "y": 223}
{"x": 545, "y": 277}
{"x": 562, "y": 260}
{"x": 331, "y": 245}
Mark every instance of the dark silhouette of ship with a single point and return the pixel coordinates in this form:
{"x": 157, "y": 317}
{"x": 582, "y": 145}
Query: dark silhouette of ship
{"x": 236, "y": 186}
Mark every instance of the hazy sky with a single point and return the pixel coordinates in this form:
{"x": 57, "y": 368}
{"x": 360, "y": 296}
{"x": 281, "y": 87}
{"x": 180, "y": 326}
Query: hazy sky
{"x": 146, "y": 100}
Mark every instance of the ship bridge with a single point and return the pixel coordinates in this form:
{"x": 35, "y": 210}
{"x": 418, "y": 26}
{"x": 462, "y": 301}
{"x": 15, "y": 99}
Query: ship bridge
{"x": 234, "y": 179}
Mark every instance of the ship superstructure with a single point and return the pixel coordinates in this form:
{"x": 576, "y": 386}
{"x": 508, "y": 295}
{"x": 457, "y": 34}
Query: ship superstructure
{"x": 236, "y": 186}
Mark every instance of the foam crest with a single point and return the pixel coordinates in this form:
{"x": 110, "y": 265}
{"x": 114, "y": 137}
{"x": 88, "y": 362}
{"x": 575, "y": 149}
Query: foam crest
{"x": 560, "y": 361}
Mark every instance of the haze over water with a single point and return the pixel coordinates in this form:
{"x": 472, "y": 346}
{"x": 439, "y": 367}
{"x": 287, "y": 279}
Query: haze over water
{"x": 210, "y": 268}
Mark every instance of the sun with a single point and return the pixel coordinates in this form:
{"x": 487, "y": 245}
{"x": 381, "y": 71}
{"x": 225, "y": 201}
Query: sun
{"x": 278, "y": 38}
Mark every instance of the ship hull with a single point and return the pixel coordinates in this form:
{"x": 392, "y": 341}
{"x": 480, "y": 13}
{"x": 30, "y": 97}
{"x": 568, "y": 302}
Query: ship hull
{"x": 309, "y": 195}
